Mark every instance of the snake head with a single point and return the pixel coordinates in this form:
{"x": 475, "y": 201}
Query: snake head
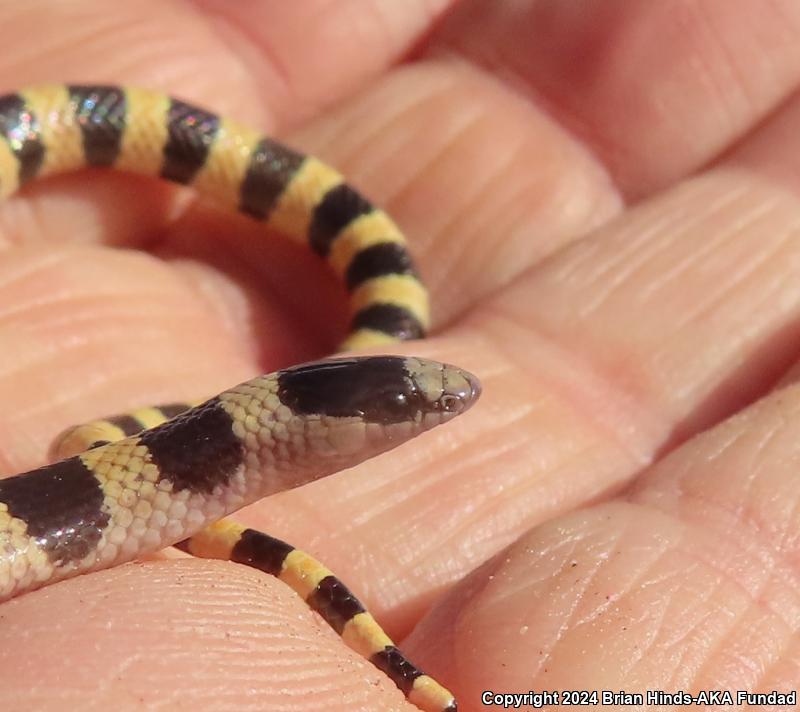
{"x": 382, "y": 390}
{"x": 375, "y": 402}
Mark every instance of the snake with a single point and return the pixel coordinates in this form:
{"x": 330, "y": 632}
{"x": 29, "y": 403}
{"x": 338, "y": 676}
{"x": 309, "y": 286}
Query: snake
{"x": 169, "y": 475}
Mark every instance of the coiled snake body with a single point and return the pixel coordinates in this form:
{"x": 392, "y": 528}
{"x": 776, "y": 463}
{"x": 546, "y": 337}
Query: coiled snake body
{"x": 162, "y": 476}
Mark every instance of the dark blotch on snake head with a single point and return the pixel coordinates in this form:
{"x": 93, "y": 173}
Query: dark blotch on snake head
{"x": 379, "y": 389}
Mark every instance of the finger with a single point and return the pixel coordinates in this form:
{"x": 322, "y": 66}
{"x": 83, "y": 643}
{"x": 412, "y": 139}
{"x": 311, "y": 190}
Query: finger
{"x": 319, "y": 51}
{"x": 116, "y": 331}
{"x": 711, "y": 263}
{"x": 655, "y": 90}
{"x": 244, "y": 79}
{"x": 284, "y": 56}
{"x": 115, "y": 282}
{"x": 484, "y": 185}
{"x": 392, "y": 527}
{"x": 187, "y": 633}
{"x": 95, "y": 332}
{"x": 687, "y": 582}
{"x": 450, "y": 261}
{"x": 477, "y": 214}
{"x": 99, "y": 363}
{"x": 598, "y": 432}
{"x": 615, "y": 350}
{"x": 622, "y": 347}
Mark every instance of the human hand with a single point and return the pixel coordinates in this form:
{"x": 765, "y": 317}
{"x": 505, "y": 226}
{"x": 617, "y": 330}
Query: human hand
{"x": 539, "y": 160}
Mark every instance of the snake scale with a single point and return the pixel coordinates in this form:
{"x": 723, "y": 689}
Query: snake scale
{"x": 162, "y": 476}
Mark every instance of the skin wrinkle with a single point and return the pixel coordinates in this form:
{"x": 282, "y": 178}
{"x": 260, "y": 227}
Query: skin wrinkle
{"x": 754, "y": 473}
{"x": 386, "y": 507}
{"x": 653, "y": 624}
{"x": 742, "y": 221}
{"x": 385, "y": 22}
{"x": 382, "y": 496}
{"x": 695, "y": 70}
{"x": 719, "y": 586}
{"x": 577, "y": 599}
{"x": 647, "y": 249}
{"x": 641, "y": 650}
{"x": 587, "y": 581}
{"x": 792, "y": 643}
{"x": 470, "y": 517}
{"x": 676, "y": 287}
{"x": 735, "y": 71}
{"x": 408, "y": 558}
{"x": 704, "y": 307}
{"x": 760, "y": 550}
{"x": 682, "y": 675}
{"x": 769, "y": 653}
{"x": 740, "y": 514}
{"x": 296, "y": 88}
{"x": 72, "y": 348}
{"x": 630, "y": 404}
{"x": 232, "y": 309}
{"x": 30, "y": 214}
{"x": 369, "y": 146}
{"x": 543, "y": 100}
{"x": 241, "y": 595}
{"x": 436, "y": 229}
{"x": 449, "y": 145}
{"x": 458, "y": 531}
{"x": 634, "y": 583}
{"x": 455, "y": 262}
{"x": 725, "y": 581}
{"x": 505, "y": 218}
{"x": 421, "y": 479}
{"x": 511, "y": 495}
{"x": 83, "y": 310}
{"x": 785, "y": 302}
{"x": 776, "y": 300}
{"x": 66, "y": 262}
{"x": 687, "y": 610}
{"x": 728, "y": 580}
{"x": 449, "y": 226}
{"x": 635, "y": 237}
{"x": 79, "y": 35}
{"x": 714, "y": 40}
{"x": 30, "y": 366}
{"x": 239, "y": 40}
{"x": 45, "y": 260}
{"x": 708, "y": 248}
{"x": 785, "y": 538}
{"x": 563, "y": 630}
{"x": 727, "y": 634}
{"x": 632, "y": 231}
{"x": 99, "y": 386}
{"x": 498, "y": 449}
{"x": 702, "y": 523}
{"x": 751, "y": 667}
{"x": 116, "y": 671}
{"x": 752, "y": 467}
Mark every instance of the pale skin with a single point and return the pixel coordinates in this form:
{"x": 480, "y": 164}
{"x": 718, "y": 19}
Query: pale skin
{"x": 602, "y": 197}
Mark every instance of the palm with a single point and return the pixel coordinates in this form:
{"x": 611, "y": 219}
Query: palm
{"x": 510, "y": 150}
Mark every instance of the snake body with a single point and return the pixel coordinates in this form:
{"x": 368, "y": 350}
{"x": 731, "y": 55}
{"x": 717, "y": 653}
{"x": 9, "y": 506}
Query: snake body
{"x": 161, "y": 476}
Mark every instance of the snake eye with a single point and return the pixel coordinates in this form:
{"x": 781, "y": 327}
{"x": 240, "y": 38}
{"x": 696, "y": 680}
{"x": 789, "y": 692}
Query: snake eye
{"x": 449, "y": 403}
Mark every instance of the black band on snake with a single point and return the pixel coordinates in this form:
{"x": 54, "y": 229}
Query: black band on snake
{"x": 167, "y": 475}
